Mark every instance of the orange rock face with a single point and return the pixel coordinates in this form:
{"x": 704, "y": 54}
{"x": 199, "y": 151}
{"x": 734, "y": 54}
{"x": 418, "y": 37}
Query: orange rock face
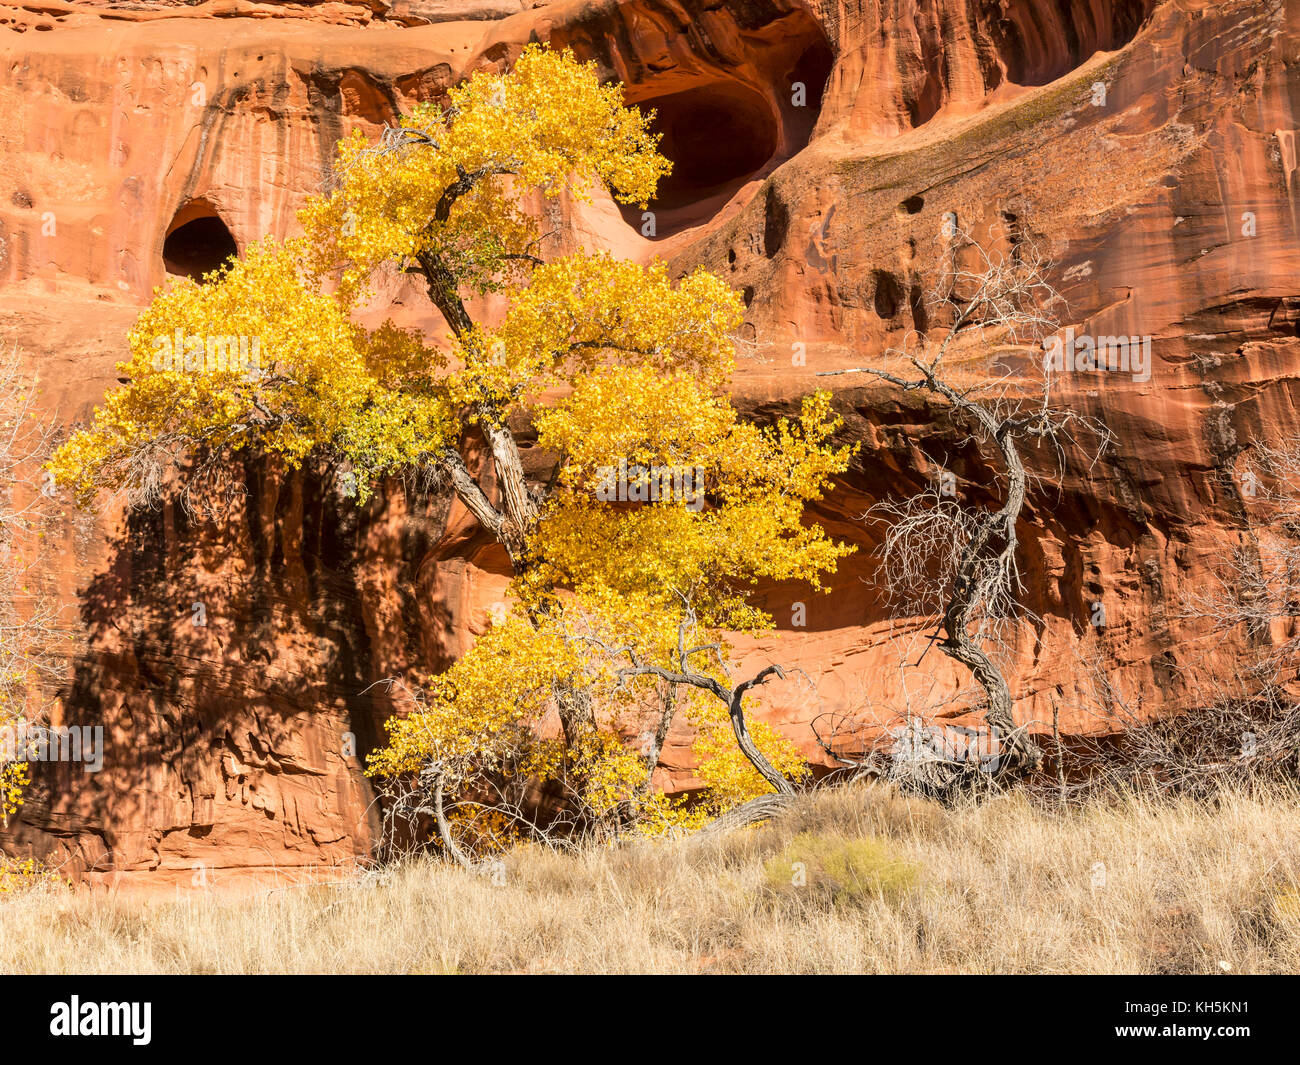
{"x": 818, "y": 148}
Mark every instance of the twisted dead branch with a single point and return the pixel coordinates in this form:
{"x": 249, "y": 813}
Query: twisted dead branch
{"x": 684, "y": 672}
{"x": 937, "y": 554}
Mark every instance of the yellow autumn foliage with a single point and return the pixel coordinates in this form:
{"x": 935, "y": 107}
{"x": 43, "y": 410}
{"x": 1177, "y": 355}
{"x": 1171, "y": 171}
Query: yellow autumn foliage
{"x": 620, "y": 367}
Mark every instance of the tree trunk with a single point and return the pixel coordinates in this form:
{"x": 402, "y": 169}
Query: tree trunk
{"x": 750, "y": 749}
{"x": 764, "y": 808}
{"x": 444, "y": 829}
{"x": 990, "y": 553}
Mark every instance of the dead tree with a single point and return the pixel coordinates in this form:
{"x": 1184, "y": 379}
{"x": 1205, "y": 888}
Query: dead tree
{"x": 963, "y": 562}
{"x": 29, "y": 631}
{"x": 909, "y": 740}
{"x": 1255, "y": 591}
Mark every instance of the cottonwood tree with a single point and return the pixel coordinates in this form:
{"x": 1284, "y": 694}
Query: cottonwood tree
{"x": 468, "y": 757}
{"x": 640, "y": 360}
{"x": 954, "y": 563}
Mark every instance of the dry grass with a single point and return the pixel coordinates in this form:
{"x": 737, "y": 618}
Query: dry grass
{"x": 998, "y": 887}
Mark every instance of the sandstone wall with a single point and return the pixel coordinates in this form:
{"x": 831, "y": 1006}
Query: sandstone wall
{"x": 126, "y": 121}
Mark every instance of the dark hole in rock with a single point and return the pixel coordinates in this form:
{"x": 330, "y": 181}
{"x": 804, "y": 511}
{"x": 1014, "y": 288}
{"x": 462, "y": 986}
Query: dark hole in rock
{"x": 812, "y": 70}
{"x": 198, "y": 246}
{"x": 721, "y": 133}
{"x": 889, "y": 293}
{"x": 776, "y": 222}
{"x": 920, "y": 314}
{"x": 912, "y": 205}
{"x": 713, "y": 135}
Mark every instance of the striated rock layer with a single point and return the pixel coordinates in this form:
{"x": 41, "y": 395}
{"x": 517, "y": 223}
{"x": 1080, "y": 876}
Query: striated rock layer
{"x": 1151, "y": 146}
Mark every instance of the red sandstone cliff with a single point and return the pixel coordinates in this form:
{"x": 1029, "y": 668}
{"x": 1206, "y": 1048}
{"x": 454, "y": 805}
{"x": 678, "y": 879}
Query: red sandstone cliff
{"x": 140, "y": 136}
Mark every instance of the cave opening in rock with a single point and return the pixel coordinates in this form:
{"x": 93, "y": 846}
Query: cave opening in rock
{"x": 888, "y": 293}
{"x": 197, "y": 242}
{"x": 721, "y": 133}
{"x": 714, "y": 135}
{"x": 812, "y": 70}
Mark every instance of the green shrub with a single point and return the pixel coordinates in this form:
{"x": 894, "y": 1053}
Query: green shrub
{"x": 839, "y": 870}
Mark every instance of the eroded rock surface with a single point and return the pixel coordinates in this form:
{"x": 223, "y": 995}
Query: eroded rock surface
{"x": 1151, "y": 146}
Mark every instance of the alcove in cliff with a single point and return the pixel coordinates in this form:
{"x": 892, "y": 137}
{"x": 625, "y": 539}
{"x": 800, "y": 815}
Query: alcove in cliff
{"x": 736, "y": 122}
{"x": 197, "y": 241}
{"x": 714, "y": 135}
